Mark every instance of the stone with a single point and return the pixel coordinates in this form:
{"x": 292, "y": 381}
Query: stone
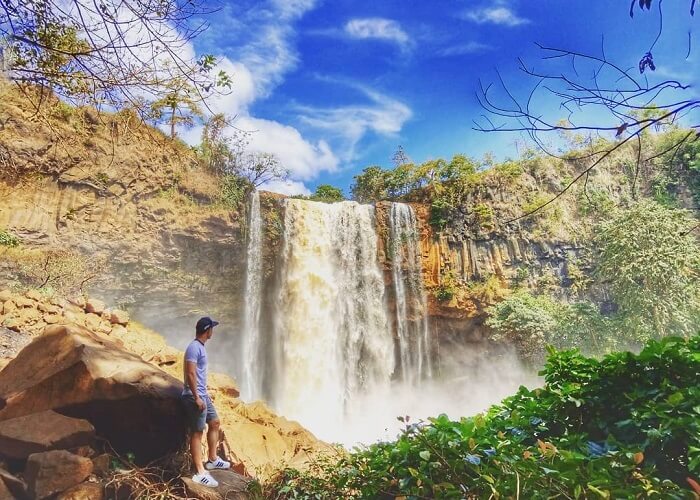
{"x": 14, "y": 485}
{"x": 232, "y": 486}
{"x": 34, "y": 295}
{"x": 48, "y": 308}
{"x": 78, "y": 301}
{"x": 118, "y": 331}
{"x": 52, "y": 319}
{"x": 92, "y": 321}
{"x": 5, "y": 295}
{"x": 12, "y": 323}
{"x": 94, "y": 306}
{"x": 8, "y": 306}
{"x": 101, "y": 465}
{"x": 43, "y": 431}
{"x": 25, "y": 302}
{"x": 55, "y": 471}
{"x": 83, "y": 491}
{"x": 131, "y": 403}
{"x": 119, "y": 317}
{"x": 29, "y": 316}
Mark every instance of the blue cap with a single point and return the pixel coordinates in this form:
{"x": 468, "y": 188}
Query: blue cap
{"x": 205, "y": 324}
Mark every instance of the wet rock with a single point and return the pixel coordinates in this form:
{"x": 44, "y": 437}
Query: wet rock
{"x": 55, "y": 471}
{"x": 86, "y": 375}
{"x": 43, "y": 431}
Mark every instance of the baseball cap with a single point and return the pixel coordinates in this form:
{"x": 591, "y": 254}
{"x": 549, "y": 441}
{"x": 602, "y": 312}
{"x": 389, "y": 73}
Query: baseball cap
{"x": 205, "y": 324}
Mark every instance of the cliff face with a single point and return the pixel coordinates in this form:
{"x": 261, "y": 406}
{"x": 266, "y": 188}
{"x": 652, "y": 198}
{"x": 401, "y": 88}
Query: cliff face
{"x": 132, "y": 205}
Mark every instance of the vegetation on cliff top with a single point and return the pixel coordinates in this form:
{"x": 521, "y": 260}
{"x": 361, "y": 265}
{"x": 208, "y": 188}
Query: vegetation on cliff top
{"x": 627, "y": 426}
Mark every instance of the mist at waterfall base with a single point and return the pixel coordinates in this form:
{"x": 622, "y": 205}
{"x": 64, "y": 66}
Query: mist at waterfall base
{"x": 485, "y": 380}
{"x": 321, "y": 344}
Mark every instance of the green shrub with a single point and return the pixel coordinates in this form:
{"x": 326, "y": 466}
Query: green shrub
{"x": 627, "y": 426}
{"x": 8, "y": 239}
{"x": 62, "y": 111}
{"x": 483, "y": 215}
{"x": 447, "y": 288}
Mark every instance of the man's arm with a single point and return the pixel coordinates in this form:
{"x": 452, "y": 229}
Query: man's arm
{"x": 191, "y": 376}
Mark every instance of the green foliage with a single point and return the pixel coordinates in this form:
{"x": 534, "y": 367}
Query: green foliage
{"x": 327, "y": 193}
{"x": 483, "y": 216}
{"x": 370, "y": 185}
{"x": 234, "y": 190}
{"x": 439, "y": 213}
{"x": 447, "y": 288}
{"x": 62, "y": 111}
{"x": 627, "y": 426}
{"x": 7, "y": 239}
{"x": 651, "y": 263}
{"x": 593, "y": 201}
{"x": 531, "y": 322}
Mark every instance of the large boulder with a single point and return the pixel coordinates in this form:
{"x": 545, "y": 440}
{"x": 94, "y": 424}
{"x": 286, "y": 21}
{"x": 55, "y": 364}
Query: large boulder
{"x": 55, "y": 471}
{"x": 131, "y": 403}
{"x": 83, "y": 491}
{"x": 232, "y": 486}
{"x": 43, "y": 431}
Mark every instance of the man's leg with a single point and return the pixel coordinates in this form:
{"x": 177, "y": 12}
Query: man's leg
{"x": 213, "y": 438}
{"x": 196, "y": 450}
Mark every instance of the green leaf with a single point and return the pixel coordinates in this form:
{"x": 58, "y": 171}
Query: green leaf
{"x": 425, "y": 455}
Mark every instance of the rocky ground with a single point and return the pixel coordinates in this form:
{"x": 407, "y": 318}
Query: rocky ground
{"x": 88, "y": 397}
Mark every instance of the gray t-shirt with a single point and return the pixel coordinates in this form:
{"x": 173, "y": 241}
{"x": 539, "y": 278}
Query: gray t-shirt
{"x": 196, "y": 353}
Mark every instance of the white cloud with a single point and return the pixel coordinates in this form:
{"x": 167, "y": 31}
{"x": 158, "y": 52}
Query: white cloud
{"x": 464, "y": 49}
{"x": 303, "y": 159}
{"x": 287, "y": 187}
{"x": 495, "y": 14}
{"x": 382, "y": 115}
{"x": 376, "y": 28}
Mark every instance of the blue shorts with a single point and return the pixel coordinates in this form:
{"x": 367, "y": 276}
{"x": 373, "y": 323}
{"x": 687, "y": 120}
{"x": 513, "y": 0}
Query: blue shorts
{"x": 195, "y": 418}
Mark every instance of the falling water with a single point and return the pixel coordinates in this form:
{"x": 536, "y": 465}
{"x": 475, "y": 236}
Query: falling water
{"x": 332, "y": 319}
{"x": 411, "y": 306}
{"x": 253, "y": 292}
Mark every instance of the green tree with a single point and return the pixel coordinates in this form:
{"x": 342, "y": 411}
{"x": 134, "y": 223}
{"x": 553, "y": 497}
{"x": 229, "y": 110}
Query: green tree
{"x": 651, "y": 262}
{"x": 327, "y": 194}
{"x": 370, "y": 185}
{"x": 180, "y": 106}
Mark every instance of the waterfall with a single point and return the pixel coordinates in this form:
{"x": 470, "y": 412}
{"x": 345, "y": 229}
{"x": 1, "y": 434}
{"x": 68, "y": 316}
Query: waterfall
{"x": 411, "y": 316}
{"x": 331, "y": 315}
{"x": 252, "y": 355}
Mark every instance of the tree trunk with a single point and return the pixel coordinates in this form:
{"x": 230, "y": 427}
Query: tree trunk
{"x": 172, "y": 122}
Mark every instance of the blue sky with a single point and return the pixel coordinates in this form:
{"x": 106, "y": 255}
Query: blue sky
{"x": 331, "y": 87}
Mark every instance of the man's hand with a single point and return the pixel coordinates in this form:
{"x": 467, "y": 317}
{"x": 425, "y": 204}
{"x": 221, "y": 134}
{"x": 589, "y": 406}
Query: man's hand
{"x": 200, "y": 403}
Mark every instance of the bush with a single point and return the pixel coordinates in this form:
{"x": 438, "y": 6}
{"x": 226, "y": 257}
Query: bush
{"x": 624, "y": 427}
{"x": 8, "y": 239}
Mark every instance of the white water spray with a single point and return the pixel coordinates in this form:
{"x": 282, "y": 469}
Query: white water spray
{"x": 252, "y": 379}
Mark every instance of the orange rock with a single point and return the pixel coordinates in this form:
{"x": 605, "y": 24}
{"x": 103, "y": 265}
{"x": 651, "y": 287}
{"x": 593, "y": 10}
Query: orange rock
{"x": 86, "y": 375}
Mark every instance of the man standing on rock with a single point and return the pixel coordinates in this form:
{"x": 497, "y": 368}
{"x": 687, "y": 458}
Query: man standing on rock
{"x": 200, "y": 409}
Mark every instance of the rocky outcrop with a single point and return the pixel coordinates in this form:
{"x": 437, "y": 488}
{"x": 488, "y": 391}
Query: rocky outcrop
{"x": 86, "y": 375}
{"x": 55, "y": 471}
{"x": 232, "y": 486}
{"x": 43, "y": 431}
